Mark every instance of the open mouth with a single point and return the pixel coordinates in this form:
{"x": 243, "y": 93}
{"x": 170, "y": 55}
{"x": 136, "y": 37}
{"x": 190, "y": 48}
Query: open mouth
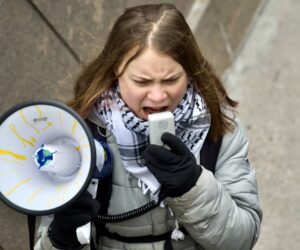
{"x": 149, "y": 110}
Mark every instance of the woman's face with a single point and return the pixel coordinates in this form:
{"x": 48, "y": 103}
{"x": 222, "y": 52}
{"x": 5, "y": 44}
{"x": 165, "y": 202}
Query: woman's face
{"x": 152, "y": 82}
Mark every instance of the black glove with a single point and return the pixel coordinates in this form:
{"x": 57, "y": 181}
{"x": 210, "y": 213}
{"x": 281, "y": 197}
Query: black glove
{"x": 62, "y": 231}
{"x": 176, "y": 169}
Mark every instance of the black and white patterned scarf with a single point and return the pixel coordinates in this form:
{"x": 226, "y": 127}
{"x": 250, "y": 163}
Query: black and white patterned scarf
{"x": 192, "y": 122}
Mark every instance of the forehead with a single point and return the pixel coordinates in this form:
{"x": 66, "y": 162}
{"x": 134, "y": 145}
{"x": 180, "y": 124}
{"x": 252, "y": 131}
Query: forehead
{"x": 151, "y": 62}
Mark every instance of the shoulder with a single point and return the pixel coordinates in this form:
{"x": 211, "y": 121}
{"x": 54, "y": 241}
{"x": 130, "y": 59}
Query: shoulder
{"x": 235, "y": 143}
{"x": 94, "y": 118}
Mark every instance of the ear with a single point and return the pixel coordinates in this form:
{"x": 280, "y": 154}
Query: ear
{"x": 116, "y": 71}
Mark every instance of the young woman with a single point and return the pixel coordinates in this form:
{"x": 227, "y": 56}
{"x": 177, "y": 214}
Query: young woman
{"x": 151, "y": 63}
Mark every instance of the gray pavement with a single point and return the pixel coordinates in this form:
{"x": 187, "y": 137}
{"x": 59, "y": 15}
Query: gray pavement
{"x": 253, "y": 44}
{"x": 265, "y": 79}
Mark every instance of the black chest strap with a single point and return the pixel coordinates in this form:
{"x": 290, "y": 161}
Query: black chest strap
{"x": 209, "y": 153}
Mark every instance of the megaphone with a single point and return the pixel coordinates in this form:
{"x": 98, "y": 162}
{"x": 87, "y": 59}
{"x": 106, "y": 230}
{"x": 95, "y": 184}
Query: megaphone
{"x": 47, "y": 157}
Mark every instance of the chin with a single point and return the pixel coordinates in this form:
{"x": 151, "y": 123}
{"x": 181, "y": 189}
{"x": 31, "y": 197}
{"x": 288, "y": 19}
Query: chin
{"x": 142, "y": 116}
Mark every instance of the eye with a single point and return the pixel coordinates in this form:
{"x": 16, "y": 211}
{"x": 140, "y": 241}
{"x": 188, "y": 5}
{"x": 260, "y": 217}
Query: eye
{"x": 141, "y": 82}
{"x": 171, "y": 81}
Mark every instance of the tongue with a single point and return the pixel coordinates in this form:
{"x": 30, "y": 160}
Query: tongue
{"x": 152, "y": 110}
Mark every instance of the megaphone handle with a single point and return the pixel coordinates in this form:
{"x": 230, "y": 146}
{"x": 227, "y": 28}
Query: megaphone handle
{"x": 83, "y": 233}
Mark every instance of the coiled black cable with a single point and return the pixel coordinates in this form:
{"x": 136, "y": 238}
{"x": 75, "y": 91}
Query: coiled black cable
{"x": 128, "y": 215}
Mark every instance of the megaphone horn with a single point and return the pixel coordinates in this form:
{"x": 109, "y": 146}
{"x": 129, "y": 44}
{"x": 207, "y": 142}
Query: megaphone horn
{"x": 47, "y": 156}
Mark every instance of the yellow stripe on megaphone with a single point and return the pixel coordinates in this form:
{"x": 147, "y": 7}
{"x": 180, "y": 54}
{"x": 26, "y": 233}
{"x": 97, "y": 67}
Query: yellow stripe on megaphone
{"x": 34, "y": 194}
{"x": 29, "y": 124}
{"x": 74, "y": 127}
{"x": 17, "y": 186}
{"x": 14, "y": 130}
{"x": 15, "y": 155}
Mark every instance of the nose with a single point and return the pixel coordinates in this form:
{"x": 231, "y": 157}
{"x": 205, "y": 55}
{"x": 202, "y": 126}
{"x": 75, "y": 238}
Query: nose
{"x": 157, "y": 93}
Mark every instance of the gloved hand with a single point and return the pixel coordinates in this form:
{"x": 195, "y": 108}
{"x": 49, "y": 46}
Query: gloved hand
{"x": 176, "y": 169}
{"x": 62, "y": 231}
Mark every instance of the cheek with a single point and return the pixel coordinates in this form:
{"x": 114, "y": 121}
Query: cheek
{"x": 124, "y": 88}
{"x": 177, "y": 97}
{"x": 130, "y": 95}
{"x": 178, "y": 93}
{"x": 132, "y": 100}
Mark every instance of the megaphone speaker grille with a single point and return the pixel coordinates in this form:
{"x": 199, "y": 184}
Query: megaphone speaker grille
{"x": 47, "y": 156}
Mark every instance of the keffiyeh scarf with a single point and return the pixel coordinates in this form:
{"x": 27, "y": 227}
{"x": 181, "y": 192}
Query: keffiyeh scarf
{"x": 192, "y": 122}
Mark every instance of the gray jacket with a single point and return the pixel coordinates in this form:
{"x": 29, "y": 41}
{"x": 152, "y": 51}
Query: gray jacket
{"x": 221, "y": 211}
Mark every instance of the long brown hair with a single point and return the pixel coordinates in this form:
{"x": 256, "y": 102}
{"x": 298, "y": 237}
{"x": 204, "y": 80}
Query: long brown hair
{"x": 164, "y": 28}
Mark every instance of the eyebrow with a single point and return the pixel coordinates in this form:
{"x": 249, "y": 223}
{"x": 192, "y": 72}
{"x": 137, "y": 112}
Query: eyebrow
{"x": 177, "y": 75}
